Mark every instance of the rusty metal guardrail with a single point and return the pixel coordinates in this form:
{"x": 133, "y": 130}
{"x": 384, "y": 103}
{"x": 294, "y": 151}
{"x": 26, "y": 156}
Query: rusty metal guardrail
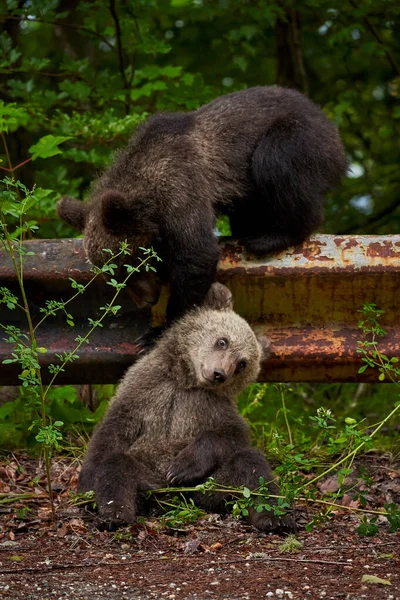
{"x": 306, "y": 299}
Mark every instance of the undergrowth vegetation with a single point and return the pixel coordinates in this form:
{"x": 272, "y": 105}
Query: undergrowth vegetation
{"x": 15, "y": 202}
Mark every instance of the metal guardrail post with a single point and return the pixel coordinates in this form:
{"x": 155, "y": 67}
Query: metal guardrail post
{"x": 306, "y": 299}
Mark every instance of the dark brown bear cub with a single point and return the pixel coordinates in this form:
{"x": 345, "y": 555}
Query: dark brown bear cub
{"x": 266, "y": 156}
{"x": 174, "y": 419}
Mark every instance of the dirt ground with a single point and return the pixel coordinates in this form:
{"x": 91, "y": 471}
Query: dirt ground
{"x": 68, "y": 558}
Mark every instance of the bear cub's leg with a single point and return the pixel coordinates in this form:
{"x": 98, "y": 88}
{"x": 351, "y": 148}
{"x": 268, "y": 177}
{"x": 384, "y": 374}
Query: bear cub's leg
{"x": 117, "y": 481}
{"x": 244, "y": 468}
{"x": 275, "y": 237}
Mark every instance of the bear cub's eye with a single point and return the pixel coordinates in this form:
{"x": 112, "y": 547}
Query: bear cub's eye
{"x": 241, "y": 366}
{"x": 222, "y": 343}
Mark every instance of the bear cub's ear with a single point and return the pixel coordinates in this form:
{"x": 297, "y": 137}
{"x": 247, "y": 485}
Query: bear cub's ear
{"x": 116, "y": 214}
{"x": 73, "y": 212}
{"x": 219, "y": 297}
{"x": 266, "y": 346}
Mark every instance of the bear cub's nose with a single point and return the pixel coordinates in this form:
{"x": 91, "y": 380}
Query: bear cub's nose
{"x": 219, "y": 376}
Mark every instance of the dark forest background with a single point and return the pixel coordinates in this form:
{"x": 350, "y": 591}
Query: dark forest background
{"x": 91, "y": 71}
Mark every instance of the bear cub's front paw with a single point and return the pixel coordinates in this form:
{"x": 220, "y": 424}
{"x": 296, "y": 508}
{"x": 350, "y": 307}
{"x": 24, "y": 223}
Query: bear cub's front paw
{"x": 187, "y": 467}
{"x": 148, "y": 340}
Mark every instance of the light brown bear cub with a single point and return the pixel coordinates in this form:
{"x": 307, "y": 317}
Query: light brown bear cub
{"x": 174, "y": 419}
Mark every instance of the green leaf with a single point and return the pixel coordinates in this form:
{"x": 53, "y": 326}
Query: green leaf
{"x": 47, "y": 146}
{"x": 7, "y": 409}
{"x": 246, "y": 492}
{"x": 171, "y": 71}
{"x": 75, "y": 89}
{"x": 241, "y": 62}
{"x": 393, "y": 516}
{"x": 368, "y": 528}
{"x": 41, "y": 350}
{"x": 12, "y": 117}
{"x": 373, "y": 579}
{"x": 180, "y": 3}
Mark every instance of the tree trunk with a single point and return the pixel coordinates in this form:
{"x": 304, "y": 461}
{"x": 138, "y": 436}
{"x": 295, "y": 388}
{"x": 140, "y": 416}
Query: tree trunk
{"x": 290, "y": 66}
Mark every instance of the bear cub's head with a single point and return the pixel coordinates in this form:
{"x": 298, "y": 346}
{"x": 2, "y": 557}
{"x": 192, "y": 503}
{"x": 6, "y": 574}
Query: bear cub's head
{"x": 107, "y": 221}
{"x": 214, "y": 348}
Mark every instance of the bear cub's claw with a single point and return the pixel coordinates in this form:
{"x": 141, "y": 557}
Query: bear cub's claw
{"x": 114, "y": 514}
{"x": 147, "y": 340}
{"x": 270, "y": 523}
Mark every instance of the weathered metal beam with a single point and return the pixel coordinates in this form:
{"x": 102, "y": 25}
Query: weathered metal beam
{"x": 306, "y": 299}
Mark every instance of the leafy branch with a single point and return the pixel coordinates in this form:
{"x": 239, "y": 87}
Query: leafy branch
{"x": 63, "y": 24}
{"x": 109, "y": 308}
{"x": 25, "y": 349}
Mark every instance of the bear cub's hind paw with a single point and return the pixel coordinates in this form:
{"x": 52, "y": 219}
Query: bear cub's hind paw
{"x": 114, "y": 514}
{"x": 268, "y": 522}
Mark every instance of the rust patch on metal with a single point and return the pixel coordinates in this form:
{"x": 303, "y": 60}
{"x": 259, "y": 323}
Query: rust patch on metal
{"x": 232, "y": 252}
{"x": 310, "y": 249}
{"x": 382, "y": 250}
{"x": 349, "y": 243}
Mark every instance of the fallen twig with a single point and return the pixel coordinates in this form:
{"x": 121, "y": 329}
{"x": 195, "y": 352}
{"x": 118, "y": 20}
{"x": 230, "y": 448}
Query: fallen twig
{"x": 9, "y": 498}
{"x": 57, "y": 566}
{"x": 284, "y": 559}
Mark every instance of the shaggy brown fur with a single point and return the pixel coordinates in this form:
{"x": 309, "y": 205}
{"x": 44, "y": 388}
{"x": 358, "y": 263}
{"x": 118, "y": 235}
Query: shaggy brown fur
{"x": 174, "y": 419}
{"x": 266, "y": 156}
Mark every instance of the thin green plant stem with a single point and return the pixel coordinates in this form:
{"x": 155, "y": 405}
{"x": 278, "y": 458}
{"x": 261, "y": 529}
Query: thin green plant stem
{"x": 20, "y": 341}
{"x": 378, "y": 427}
{"x": 339, "y": 491}
{"x": 19, "y": 275}
{"x": 341, "y": 506}
{"x": 64, "y": 304}
{"x": 284, "y": 410}
{"x": 10, "y": 498}
{"x": 103, "y": 316}
{"x": 388, "y": 373}
{"x": 238, "y": 493}
{"x": 10, "y": 165}
{"x": 7, "y": 153}
{"x": 356, "y": 450}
